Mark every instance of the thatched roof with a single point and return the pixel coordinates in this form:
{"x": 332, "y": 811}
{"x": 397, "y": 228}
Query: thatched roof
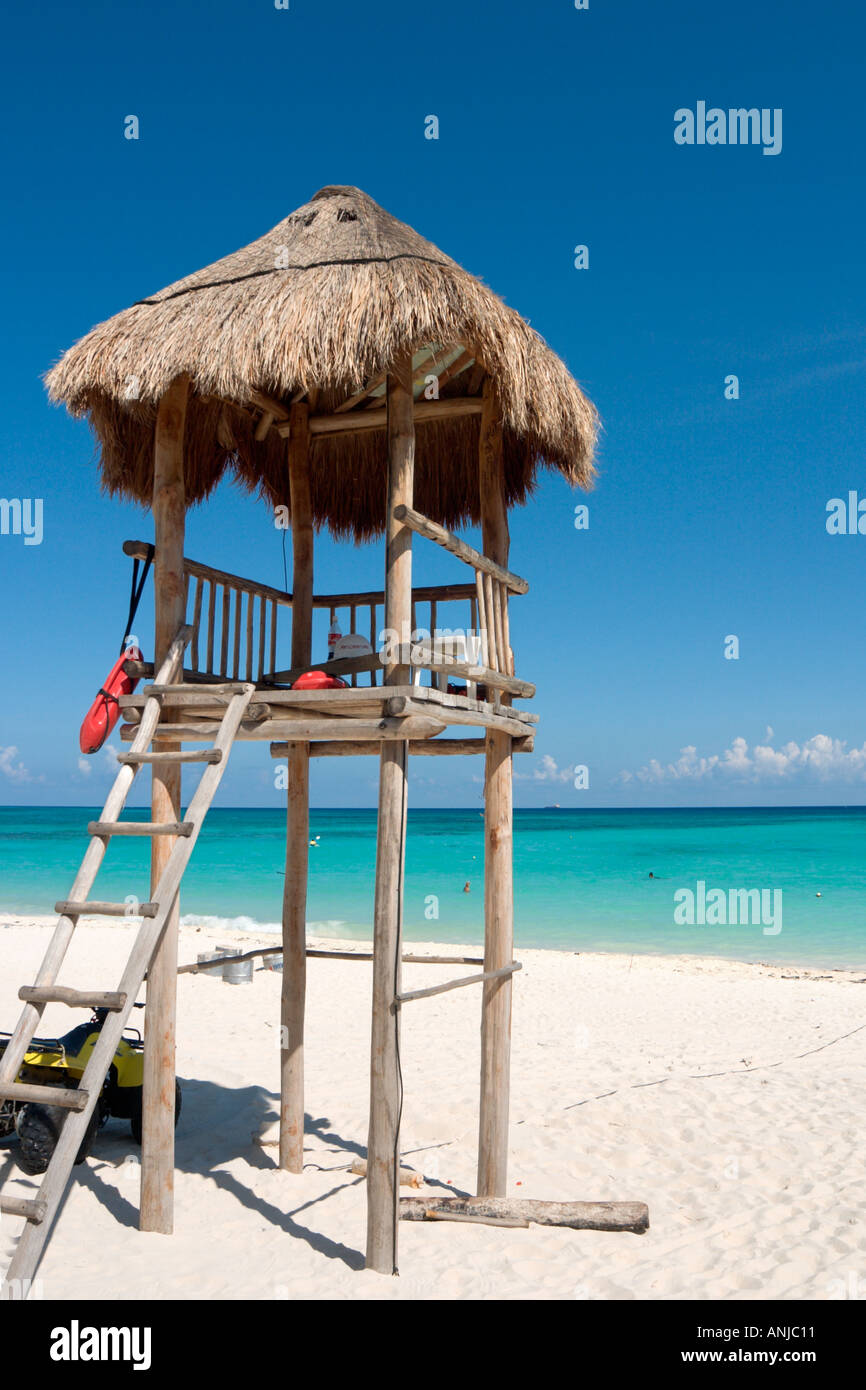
{"x": 318, "y": 308}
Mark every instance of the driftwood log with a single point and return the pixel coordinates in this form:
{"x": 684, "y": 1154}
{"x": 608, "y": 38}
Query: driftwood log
{"x": 580, "y": 1216}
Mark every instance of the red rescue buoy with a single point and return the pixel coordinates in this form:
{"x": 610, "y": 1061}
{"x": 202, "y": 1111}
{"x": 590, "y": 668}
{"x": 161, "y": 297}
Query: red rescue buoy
{"x": 105, "y": 711}
{"x": 318, "y": 680}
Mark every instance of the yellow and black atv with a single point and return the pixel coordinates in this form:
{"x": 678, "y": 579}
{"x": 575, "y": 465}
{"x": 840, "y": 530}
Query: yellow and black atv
{"x": 61, "y": 1062}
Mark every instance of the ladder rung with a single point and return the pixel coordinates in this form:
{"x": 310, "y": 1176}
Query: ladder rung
{"x": 94, "y": 909}
{"x": 192, "y": 755}
{"x": 140, "y": 827}
{"x": 221, "y": 688}
{"x": 34, "y": 1208}
{"x": 67, "y": 1097}
{"x": 75, "y": 998}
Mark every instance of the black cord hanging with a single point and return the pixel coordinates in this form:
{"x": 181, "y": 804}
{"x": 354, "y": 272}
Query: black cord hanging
{"x": 136, "y": 592}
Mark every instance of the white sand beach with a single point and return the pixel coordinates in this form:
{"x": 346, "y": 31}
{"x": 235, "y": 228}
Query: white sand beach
{"x": 724, "y": 1095}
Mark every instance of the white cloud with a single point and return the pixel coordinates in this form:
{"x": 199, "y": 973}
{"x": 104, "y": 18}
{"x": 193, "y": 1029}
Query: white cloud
{"x": 820, "y": 758}
{"x": 105, "y": 761}
{"x": 16, "y": 772}
{"x": 547, "y": 771}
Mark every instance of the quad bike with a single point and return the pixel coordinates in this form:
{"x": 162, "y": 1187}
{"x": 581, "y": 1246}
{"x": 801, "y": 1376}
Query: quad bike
{"x": 61, "y": 1062}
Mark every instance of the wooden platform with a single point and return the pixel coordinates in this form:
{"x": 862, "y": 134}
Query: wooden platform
{"x": 412, "y": 712}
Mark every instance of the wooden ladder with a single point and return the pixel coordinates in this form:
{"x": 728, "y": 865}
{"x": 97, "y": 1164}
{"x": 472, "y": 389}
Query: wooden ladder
{"x": 39, "y": 1212}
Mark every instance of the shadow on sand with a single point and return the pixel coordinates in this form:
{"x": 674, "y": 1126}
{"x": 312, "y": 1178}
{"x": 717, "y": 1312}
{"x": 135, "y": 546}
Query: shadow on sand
{"x": 217, "y": 1125}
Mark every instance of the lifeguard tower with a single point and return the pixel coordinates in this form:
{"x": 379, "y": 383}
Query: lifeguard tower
{"x": 346, "y": 370}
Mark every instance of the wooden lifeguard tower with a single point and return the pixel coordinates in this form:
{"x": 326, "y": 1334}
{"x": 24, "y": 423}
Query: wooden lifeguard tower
{"x": 348, "y": 371}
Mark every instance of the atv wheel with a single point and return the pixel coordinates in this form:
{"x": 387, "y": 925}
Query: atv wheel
{"x": 38, "y": 1131}
{"x": 135, "y": 1122}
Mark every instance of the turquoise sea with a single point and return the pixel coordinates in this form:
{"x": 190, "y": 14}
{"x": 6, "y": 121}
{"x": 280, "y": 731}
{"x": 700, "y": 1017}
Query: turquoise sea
{"x": 582, "y": 878}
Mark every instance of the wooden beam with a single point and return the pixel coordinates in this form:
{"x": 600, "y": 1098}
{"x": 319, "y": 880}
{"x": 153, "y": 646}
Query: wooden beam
{"x": 416, "y": 521}
{"x": 422, "y": 594}
{"x": 387, "y": 730}
{"x": 294, "y": 981}
{"x": 458, "y": 984}
{"x": 408, "y": 1176}
{"x": 580, "y": 1216}
{"x": 73, "y": 998}
{"x": 476, "y": 378}
{"x": 425, "y": 747}
{"x": 422, "y": 655}
{"x": 361, "y": 395}
{"x": 158, "y": 1102}
{"x": 423, "y": 366}
{"x": 302, "y": 535}
{"x": 383, "y": 1143}
{"x": 498, "y": 883}
{"x": 204, "y": 966}
{"x": 139, "y": 549}
{"x": 449, "y": 408}
{"x": 441, "y": 593}
{"x": 454, "y": 368}
{"x": 269, "y": 405}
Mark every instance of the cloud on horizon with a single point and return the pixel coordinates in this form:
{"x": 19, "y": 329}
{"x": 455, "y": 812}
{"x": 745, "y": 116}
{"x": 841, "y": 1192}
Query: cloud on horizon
{"x": 820, "y": 758}
{"x": 107, "y": 763}
{"x": 548, "y": 770}
{"x": 15, "y": 771}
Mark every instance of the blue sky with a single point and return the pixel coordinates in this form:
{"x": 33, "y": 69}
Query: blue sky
{"x": 556, "y": 129}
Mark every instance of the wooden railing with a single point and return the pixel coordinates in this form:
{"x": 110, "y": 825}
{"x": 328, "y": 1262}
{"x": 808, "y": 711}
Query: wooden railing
{"x": 493, "y": 585}
{"x": 237, "y": 634}
{"x": 234, "y": 621}
{"x": 362, "y": 611}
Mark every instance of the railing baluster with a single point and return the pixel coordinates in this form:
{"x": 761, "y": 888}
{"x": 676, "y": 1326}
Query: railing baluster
{"x": 224, "y": 635}
{"x": 211, "y": 607}
{"x": 482, "y": 618}
{"x": 262, "y": 621}
{"x": 497, "y": 620}
{"x": 506, "y": 634}
{"x": 490, "y": 623}
{"x": 273, "y": 665}
{"x": 471, "y": 686}
{"x": 373, "y": 637}
{"x": 250, "y": 608}
{"x": 196, "y": 620}
{"x": 353, "y": 628}
{"x": 236, "y": 657}
{"x": 435, "y": 676}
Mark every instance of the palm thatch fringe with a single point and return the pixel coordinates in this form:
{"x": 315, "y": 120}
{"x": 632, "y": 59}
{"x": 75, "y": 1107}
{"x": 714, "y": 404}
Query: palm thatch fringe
{"x": 325, "y": 301}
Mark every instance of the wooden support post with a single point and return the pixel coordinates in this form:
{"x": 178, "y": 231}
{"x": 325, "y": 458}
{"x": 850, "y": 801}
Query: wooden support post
{"x": 498, "y": 886}
{"x": 383, "y": 1144}
{"x": 294, "y": 984}
{"x": 169, "y": 515}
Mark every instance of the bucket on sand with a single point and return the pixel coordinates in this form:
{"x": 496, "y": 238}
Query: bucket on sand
{"x": 274, "y": 961}
{"x": 216, "y": 968}
{"x": 238, "y": 972}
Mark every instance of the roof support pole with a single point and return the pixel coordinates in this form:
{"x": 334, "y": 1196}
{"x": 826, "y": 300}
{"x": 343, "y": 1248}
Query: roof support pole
{"x": 383, "y": 1144}
{"x": 294, "y": 983}
{"x": 158, "y": 1100}
{"x": 498, "y": 884}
